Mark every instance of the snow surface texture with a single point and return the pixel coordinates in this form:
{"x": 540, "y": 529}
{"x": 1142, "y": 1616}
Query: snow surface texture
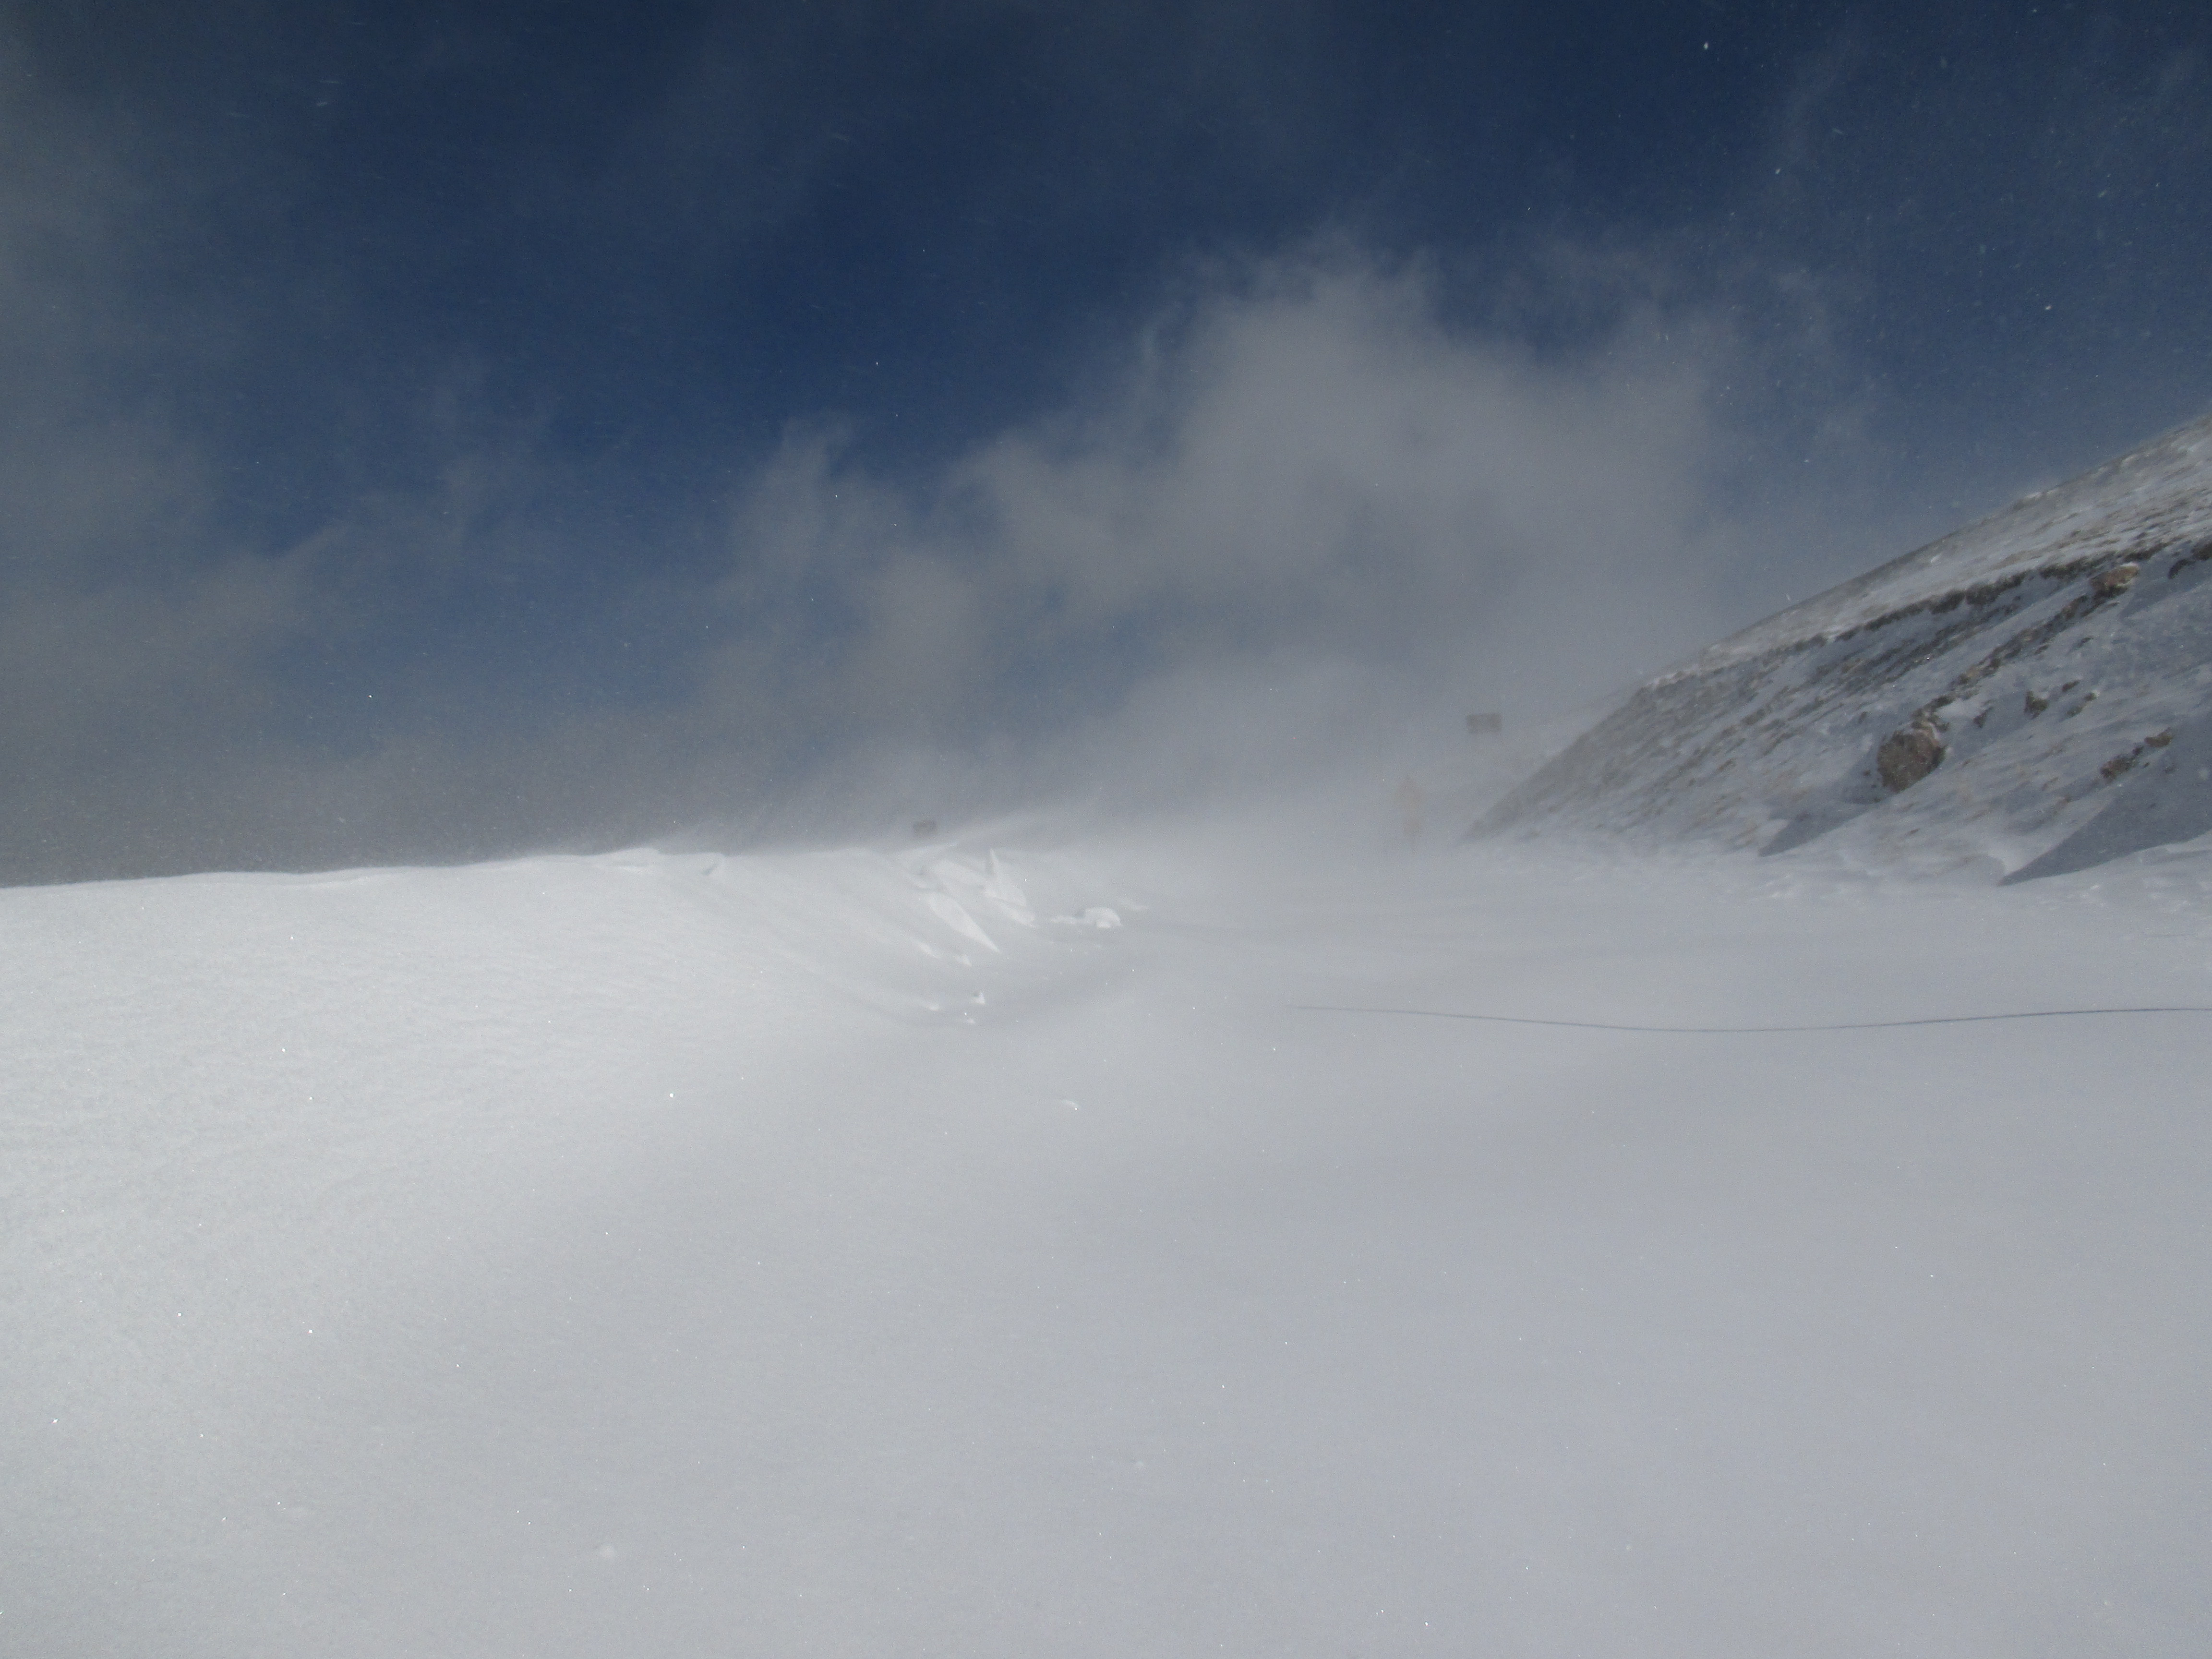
{"x": 987, "y": 1253}
{"x": 2056, "y": 657}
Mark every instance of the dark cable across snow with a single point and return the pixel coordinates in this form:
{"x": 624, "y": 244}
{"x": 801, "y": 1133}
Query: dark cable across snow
{"x": 1740, "y": 1030}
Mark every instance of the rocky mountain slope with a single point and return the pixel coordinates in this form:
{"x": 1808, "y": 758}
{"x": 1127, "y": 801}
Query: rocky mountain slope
{"x": 2035, "y": 689}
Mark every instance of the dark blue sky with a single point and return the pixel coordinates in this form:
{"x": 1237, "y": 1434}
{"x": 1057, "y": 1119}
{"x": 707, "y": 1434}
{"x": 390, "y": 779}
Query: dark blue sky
{"x": 431, "y": 353}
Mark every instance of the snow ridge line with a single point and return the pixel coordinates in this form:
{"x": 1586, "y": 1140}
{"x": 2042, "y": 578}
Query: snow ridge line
{"x": 1740, "y": 1030}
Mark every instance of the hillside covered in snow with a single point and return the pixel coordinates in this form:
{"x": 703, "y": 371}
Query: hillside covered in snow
{"x": 2033, "y": 692}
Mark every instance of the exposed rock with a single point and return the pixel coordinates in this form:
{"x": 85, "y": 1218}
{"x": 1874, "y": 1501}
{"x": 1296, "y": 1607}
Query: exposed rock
{"x": 2112, "y": 583}
{"x": 1908, "y": 755}
{"x": 2196, "y": 554}
{"x": 2119, "y": 764}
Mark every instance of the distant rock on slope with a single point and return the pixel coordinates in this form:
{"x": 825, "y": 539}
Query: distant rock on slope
{"x": 2035, "y": 688}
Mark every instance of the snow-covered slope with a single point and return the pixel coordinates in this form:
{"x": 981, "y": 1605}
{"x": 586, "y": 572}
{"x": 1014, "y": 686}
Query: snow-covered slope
{"x": 2035, "y": 689}
{"x": 1101, "y": 1252}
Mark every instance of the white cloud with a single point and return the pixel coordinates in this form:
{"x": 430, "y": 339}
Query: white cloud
{"x": 1309, "y": 473}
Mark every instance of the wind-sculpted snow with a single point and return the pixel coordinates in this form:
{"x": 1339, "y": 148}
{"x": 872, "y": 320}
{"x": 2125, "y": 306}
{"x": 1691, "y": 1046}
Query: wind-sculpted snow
{"x": 1104, "y": 1251}
{"x": 2033, "y": 690}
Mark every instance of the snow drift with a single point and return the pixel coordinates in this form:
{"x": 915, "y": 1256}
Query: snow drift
{"x": 975, "y": 1251}
{"x": 2035, "y": 690}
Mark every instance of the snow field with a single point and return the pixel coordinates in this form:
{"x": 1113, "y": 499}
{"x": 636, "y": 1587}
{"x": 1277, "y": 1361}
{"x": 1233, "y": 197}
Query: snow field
{"x": 856, "y": 1253}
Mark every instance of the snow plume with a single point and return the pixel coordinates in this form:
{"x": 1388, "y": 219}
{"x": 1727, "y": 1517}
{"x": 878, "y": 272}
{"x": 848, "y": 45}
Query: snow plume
{"x": 1318, "y": 466}
{"x": 1307, "y": 516}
